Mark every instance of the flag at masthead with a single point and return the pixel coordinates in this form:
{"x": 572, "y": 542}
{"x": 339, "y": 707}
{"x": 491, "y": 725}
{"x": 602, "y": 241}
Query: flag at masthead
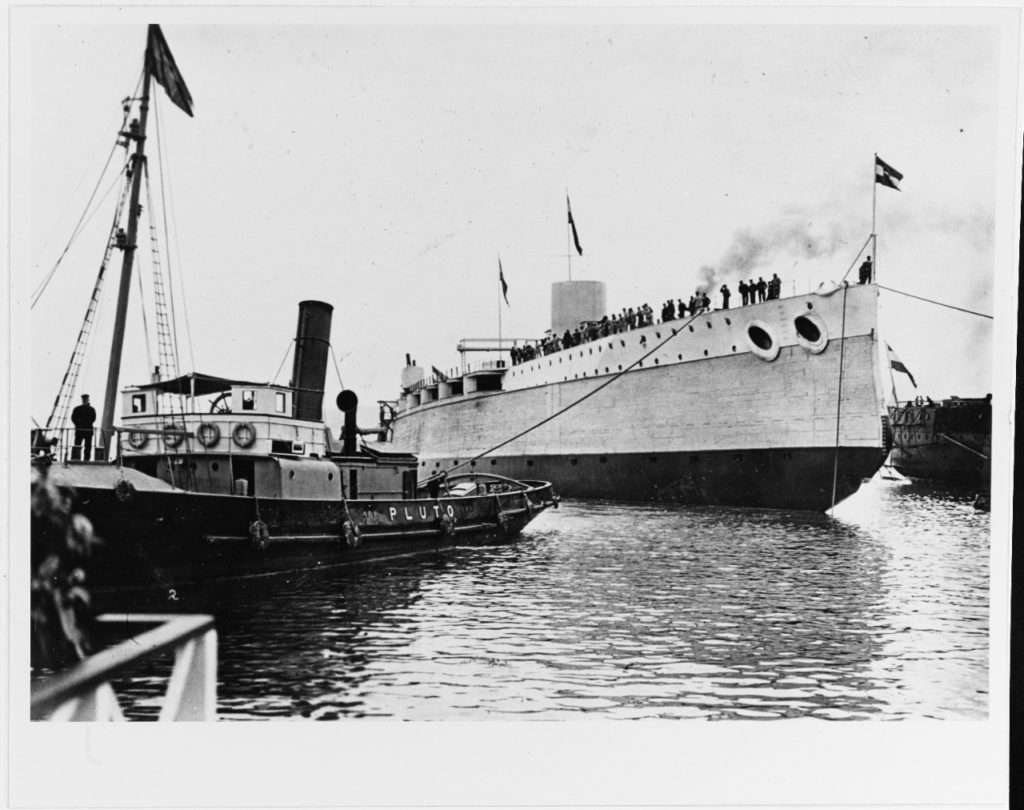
{"x": 165, "y": 70}
{"x": 572, "y": 224}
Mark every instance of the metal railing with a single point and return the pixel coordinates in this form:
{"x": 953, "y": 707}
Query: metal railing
{"x": 84, "y": 692}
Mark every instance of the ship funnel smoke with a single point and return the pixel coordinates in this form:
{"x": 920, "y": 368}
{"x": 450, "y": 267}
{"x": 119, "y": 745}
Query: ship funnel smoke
{"x": 750, "y": 252}
{"x": 309, "y": 368}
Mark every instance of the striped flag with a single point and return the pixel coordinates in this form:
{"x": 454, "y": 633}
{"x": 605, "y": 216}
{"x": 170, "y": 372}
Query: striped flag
{"x": 165, "y": 71}
{"x": 575, "y": 236}
{"x": 504, "y": 286}
{"x": 886, "y": 174}
{"x": 897, "y": 365}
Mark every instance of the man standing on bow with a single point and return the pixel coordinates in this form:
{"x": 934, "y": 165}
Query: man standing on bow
{"x": 83, "y": 417}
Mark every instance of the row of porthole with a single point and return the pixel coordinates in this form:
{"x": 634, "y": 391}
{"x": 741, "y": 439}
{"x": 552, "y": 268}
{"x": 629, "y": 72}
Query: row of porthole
{"x": 208, "y": 434}
{"x": 811, "y": 335}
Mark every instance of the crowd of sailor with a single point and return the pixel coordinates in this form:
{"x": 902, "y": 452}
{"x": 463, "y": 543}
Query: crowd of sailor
{"x": 751, "y": 292}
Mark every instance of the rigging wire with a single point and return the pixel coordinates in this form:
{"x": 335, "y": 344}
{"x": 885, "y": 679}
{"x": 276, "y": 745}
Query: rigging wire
{"x": 164, "y": 154}
{"x": 41, "y": 288}
{"x": 145, "y": 321}
{"x": 286, "y": 351}
{"x": 124, "y": 121}
{"x": 937, "y": 303}
{"x": 158, "y": 120}
{"x": 336, "y": 369}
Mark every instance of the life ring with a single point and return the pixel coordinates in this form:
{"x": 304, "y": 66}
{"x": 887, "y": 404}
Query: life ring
{"x": 138, "y": 439}
{"x": 447, "y": 525}
{"x": 208, "y": 434}
{"x": 244, "y": 434}
{"x": 173, "y": 435}
{"x": 124, "y": 490}
{"x": 259, "y": 535}
{"x": 351, "y": 534}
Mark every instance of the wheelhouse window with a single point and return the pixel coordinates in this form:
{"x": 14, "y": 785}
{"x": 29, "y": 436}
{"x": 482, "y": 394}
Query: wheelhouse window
{"x": 248, "y": 400}
{"x": 279, "y": 401}
{"x": 138, "y": 403}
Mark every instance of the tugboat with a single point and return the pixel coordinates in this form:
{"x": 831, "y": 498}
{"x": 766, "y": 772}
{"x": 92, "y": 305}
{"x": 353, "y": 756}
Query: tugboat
{"x": 208, "y": 477}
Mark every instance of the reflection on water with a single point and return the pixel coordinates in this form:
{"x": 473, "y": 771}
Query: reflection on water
{"x": 608, "y": 610}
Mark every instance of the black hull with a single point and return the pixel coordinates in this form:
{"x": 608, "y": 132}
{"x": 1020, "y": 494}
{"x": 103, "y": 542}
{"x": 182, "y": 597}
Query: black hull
{"x": 784, "y": 478}
{"x": 942, "y": 462}
{"x": 174, "y": 542}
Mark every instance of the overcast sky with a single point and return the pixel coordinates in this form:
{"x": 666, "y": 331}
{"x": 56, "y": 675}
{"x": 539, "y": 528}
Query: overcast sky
{"x": 384, "y": 168}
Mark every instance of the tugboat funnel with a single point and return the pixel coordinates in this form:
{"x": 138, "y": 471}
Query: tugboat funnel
{"x": 309, "y": 370}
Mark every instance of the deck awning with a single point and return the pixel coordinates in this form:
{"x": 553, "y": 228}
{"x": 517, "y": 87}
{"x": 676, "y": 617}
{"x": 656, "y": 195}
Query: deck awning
{"x": 198, "y": 385}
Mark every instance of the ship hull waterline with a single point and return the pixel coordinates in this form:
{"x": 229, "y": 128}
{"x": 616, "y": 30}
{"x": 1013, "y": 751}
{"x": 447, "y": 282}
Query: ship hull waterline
{"x": 798, "y": 479}
{"x": 166, "y": 540}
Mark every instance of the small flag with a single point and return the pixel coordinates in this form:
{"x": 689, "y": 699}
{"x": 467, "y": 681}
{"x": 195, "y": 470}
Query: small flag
{"x": 165, "y": 71}
{"x": 440, "y": 375}
{"x": 575, "y": 236}
{"x": 886, "y": 174}
{"x": 504, "y": 286}
{"x": 897, "y": 365}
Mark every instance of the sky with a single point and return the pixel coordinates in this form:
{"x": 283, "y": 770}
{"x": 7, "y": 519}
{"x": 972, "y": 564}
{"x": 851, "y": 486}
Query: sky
{"x": 385, "y": 168}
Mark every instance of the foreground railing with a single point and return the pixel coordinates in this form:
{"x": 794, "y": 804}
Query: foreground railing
{"x": 84, "y": 692}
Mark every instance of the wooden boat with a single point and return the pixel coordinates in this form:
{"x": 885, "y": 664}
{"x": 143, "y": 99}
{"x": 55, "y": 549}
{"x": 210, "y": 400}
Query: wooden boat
{"x": 207, "y": 477}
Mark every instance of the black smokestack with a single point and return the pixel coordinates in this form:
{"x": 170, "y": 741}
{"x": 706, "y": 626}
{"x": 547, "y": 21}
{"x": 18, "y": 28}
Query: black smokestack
{"x": 312, "y": 343}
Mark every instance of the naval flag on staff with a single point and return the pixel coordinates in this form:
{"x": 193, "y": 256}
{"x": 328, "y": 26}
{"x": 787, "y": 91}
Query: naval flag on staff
{"x": 886, "y": 174}
{"x": 897, "y": 365}
{"x": 504, "y": 286}
{"x": 572, "y": 224}
{"x": 163, "y": 68}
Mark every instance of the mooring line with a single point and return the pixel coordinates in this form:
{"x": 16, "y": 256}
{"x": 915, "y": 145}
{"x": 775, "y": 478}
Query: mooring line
{"x": 588, "y": 395}
{"x": 937, "y": 303}
{"x": 839, "y": 401}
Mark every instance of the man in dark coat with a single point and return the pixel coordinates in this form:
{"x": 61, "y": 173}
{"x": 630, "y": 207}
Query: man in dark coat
{"x": 725, "y": 296}
{"x": 83, "y": 417}
{"x": 743, "y": 292}
{"x": 762, "y": 289}
{"x": 865, "y": 272}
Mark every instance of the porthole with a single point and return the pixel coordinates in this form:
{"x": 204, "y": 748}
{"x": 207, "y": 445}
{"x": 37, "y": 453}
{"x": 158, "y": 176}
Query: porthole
{"x": 656, "y": 361}
{"x": 493, "y": 462}
{"x": 811, "y": 332}
{"x": 810, "y": 305}
{"x": 734, "y": 348}
{"x": 680, "y": 357}
{"x": 728, "y": 322}
{"x": 657, "y": 335}
{"x": 761, "y": 341}
{"x": 330, "y": 476}
{"x": 708, "y": 323}
{"x": 705, "y": 352}
{"x": 690, "y": 328}
{"x": 291, "y": 474}
{"x": 215, "y": 466}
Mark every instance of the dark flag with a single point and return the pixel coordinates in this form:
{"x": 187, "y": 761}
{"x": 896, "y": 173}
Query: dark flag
{"x": 886, "y": 174}
{"x": 165, "y": 71}
{"x": 897, "y": 365}
{"x": 504, "y": 286}
{"x": 575, "y": 236}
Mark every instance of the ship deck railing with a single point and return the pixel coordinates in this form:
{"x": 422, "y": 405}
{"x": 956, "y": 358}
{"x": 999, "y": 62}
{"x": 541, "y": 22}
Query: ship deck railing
{"x": 84, "y": 692}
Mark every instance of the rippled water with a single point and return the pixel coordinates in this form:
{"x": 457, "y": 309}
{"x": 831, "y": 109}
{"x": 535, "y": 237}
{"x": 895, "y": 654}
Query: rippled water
{"x": 608, "y": 610}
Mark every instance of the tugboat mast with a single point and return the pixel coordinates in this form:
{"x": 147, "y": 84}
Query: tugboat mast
{"x": 121, "y": 314}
